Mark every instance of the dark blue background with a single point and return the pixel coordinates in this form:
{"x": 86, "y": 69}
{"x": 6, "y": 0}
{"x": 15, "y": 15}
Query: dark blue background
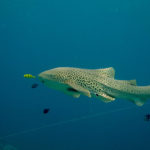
{"x": 36, "y": 35}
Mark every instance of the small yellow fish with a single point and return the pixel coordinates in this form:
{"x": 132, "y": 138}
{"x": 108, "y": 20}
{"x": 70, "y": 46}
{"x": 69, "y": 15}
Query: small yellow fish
{"x": 29, "y": 76}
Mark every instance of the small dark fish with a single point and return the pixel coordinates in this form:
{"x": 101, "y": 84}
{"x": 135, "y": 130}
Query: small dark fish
{"x": 35, "y": 85}
{"x": 46, "y": 110}
{"x": 147, "y": 117}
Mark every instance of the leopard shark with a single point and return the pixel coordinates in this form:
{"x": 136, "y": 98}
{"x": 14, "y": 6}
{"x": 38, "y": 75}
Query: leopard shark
{"x": 97, "y": 83}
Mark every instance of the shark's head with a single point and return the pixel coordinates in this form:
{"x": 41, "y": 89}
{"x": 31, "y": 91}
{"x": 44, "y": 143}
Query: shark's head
{"x": 57, "y": 79}
{"x": 53, "y": 75}
{"x": 54, "y": 78}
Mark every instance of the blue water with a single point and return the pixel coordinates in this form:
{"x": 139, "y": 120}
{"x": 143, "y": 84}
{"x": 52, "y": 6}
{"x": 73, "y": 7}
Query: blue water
{"x": 36, "y": 35}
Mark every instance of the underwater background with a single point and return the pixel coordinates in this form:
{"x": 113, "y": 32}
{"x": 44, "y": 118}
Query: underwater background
{"x": 37, "y": 35}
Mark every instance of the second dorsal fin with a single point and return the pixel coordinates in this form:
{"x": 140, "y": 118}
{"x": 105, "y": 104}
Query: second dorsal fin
{"x": 130, "y": 82}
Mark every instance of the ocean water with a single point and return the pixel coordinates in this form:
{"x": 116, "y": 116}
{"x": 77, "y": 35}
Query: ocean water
{"x": 36, "y": 35}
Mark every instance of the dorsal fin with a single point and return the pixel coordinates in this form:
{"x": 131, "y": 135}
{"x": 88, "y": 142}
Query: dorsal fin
{"x": 132, "y": 82}
{"x": 108, "y": 72}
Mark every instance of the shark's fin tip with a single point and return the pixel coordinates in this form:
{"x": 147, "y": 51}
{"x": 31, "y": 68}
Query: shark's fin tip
{"x": 139, "y": 101}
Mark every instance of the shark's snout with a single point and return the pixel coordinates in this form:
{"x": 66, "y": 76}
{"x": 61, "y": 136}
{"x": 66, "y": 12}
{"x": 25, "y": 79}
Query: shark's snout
{"x": 41, "y": 77}
{"x": 46, "y": 76}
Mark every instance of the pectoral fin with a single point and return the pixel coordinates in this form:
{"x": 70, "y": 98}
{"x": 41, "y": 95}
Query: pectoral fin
{"x": 78, "y": 88}
{"x": 105, "y": 97}
{"x": 75, "y": 95}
